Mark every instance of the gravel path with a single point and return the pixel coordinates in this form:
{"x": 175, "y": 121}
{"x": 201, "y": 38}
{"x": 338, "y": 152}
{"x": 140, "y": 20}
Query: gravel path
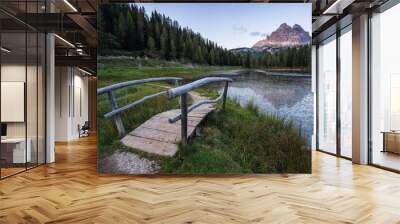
{"x": 127, "y": 163}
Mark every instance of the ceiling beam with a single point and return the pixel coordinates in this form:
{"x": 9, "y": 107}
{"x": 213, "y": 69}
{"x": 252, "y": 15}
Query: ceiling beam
{"x": 337, "y": 7}
{"x": 77, "y": 61}
{"x": 89, "y": 30}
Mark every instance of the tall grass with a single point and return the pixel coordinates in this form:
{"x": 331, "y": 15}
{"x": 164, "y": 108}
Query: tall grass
{"x": 243, "y": 140}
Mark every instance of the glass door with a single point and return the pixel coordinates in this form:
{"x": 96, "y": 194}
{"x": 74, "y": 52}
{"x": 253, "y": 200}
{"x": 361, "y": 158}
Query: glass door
{"x": 327, "y": 95}
{"x": 14, "y": 153}
{"x": 22, "y": 78}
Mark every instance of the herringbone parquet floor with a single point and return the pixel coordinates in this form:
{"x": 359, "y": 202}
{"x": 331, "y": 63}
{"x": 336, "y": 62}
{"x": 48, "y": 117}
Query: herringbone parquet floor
{"x": 70, "y": 191}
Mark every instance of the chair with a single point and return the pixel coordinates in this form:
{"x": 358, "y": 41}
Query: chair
{"x": 84, "y": 130}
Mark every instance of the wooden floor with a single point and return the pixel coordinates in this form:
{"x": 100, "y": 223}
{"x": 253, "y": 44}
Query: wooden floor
{"x": 160, "y": 137}
{"x": 8, "y": 171}
{"x": 70, "y": 191}
{"x": 387, "y": 159}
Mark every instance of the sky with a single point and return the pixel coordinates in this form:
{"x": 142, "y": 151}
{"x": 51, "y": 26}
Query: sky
{"x": 234, "y": 25}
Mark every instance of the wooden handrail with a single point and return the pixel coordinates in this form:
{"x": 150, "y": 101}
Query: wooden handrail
{"x": 122, "y": 109}
{"x": 116, "y": 111}
{"x": 172, "y": 93}
{"x": 182, "y": 91}
{"x": 135, "y": 82}
{"x": 194, "y": 106}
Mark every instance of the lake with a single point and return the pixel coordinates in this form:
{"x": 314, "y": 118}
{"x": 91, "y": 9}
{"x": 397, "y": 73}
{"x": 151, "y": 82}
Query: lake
{"x": 287, "y": 95}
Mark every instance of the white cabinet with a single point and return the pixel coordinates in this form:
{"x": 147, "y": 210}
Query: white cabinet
{"x": 19, "y": 155}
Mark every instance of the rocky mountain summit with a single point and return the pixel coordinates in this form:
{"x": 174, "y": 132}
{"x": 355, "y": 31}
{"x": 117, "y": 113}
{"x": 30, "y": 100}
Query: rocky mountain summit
{"x": 282, "y": 38}
{"x": 285, "y": 36}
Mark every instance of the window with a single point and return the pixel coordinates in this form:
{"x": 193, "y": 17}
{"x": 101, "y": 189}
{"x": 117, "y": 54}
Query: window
{"x": 327, "y": 96}
{"x": 346, "y": 92}
{"x": 385, "y": 89}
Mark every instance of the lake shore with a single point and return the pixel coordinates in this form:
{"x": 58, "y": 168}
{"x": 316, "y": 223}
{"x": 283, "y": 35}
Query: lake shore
{"x": 285, "y": 69}
{"x": 239, "y": 72}
{"x": 282, "y": 73}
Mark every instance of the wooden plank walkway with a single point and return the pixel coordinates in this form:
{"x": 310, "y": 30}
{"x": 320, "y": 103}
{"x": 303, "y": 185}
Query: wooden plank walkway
{"x": 158, "y": 136}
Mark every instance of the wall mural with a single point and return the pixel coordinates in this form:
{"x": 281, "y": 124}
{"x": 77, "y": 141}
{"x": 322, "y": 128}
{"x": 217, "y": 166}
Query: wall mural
{"x": 216, "y": 88}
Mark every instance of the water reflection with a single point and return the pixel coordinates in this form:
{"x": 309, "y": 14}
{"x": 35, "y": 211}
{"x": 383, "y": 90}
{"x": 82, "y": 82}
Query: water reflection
{"x": 282, "y": 94}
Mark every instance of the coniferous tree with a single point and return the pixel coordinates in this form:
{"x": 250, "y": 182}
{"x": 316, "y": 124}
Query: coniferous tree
{"x": 130, "y": 32}
{"x": 151, "y": 44}
{"x": 126, "y": 27}
{"x": 172, "y": 45}
{"x": 140, "y": 22}
{"x": 120, "y": 27}
{"x": 164, "y": 43}
{"x": 157, "y": 34}
{"x": 247, "y": 61}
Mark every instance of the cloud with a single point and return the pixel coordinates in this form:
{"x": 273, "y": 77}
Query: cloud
{"x": 258, "y": 34}
{"x": 255, "y": 33}
{"x": 239, "y": 29}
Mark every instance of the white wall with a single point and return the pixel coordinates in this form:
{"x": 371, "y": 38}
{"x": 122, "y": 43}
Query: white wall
{"x": 80, "y": 110}
{"x": 12, "y": 73}
{"x": 33, "y": 126}
{"x": 17, "y": 73}
{"x": 71, "y": 102}
{"x": 62, "y": 81}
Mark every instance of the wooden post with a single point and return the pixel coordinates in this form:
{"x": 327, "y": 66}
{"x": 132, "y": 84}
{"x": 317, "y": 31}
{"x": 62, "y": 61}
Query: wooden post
{"x": 176, "y": 85}
{"x": 184, "y": 118}
{"x": 224, "y": 96}
{"x": 117, "y": 117}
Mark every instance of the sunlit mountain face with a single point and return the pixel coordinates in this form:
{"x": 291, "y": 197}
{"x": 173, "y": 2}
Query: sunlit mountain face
{"x": 283, "y": 37}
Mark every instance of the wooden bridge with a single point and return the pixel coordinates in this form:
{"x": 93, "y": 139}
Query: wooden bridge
{"x": 161, "y": 133}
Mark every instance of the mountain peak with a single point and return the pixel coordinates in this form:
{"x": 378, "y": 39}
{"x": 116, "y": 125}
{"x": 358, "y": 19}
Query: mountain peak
{"x": 284, "y": 25}
{"x": 297, "y": 27}
{"x": 285, "y": 36}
